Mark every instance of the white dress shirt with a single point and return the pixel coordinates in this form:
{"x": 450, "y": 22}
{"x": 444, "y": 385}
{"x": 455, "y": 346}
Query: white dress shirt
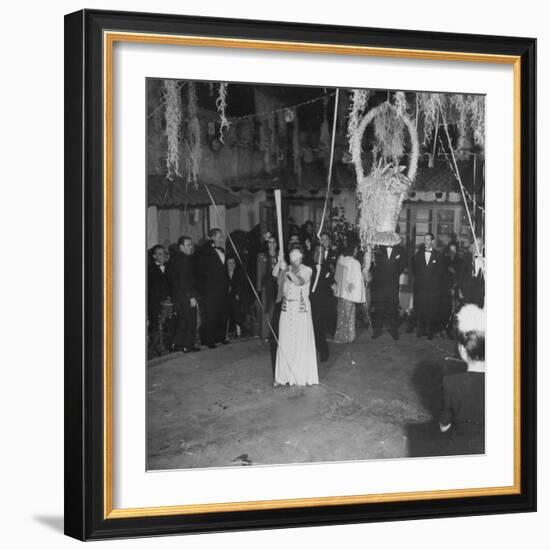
{"x": 221, "y": 254}
{"x": 428, "y": 255}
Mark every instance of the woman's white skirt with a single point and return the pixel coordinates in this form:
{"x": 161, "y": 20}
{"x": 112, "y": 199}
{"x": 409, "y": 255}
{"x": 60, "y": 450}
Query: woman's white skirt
{"x": 296, "y": 355}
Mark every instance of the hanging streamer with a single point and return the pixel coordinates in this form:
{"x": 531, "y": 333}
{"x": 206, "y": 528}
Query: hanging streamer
{"x": 173, "y": 119}
{"x": 221, "y": 105}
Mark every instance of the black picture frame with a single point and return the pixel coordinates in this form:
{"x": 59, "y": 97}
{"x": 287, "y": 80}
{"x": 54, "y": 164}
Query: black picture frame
{"x": 85, "y": 517}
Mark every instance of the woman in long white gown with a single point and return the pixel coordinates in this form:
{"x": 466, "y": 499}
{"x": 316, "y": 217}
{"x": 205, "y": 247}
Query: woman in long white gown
{"x": 296, "y": 362}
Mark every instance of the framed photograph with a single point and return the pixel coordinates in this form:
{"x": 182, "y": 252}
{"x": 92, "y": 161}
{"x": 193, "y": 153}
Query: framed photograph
{"x": 300, "y": 274}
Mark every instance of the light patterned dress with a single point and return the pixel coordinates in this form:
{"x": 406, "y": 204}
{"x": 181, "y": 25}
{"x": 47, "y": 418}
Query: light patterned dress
{"x": 296, "y": 355}
{"x": 350, "y": 291}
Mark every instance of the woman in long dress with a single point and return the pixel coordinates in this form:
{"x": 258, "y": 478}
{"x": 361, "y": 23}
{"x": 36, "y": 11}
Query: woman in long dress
{"x": 350, "y": 290}
{"x": 296, "y": 362}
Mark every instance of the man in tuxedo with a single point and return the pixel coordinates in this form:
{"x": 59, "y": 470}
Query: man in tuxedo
{"x": 388, "y": 264}
{"x": 213, "y": 285}
{"x": 323, "y": 301}
{"x": 318, "y": 299}
{"x": 158, "y": 286}
{"x": 428, "y": 277}
{"x": 184, "y": 295}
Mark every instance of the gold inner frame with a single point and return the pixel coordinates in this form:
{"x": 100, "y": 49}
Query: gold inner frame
{"x": 109, "y": 39}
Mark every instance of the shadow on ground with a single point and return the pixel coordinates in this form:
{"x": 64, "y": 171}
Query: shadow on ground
{"x": 425, "y": 439}
{"x": 55, "y": 523}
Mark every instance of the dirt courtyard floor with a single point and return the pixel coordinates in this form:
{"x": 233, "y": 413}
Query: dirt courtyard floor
{"x": 377, "y": 399}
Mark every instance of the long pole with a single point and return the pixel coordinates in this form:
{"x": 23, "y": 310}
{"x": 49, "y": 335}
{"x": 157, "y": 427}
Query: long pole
{"x": 279, "y": 221}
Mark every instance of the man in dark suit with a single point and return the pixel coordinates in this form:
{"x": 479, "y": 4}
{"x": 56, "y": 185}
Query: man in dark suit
{"x": 428, "y": 277}
{"x": 387, "y": 265}
{"x": 159, "y": 304}
{"x": 184, "y": 295}
{"x": 328, "y": 301}
{"x": 158, "y": 286}
{"x": 318, "y": 299}
{"x": 213, "y": 286}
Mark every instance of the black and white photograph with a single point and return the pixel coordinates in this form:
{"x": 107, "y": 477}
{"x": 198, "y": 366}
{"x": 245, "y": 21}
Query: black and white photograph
{"x": 315, "y": 274}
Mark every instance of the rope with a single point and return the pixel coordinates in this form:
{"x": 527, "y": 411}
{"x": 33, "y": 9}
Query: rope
{"x": 163, "y": 102}
{"x": 448, "y": 157}
{"x": 253, "y": 115}
{"x": 459, "y": 179}
{"x": 282, "y": 109}
{"x": 328, "y": 185}
{"x": 335, "y": 391}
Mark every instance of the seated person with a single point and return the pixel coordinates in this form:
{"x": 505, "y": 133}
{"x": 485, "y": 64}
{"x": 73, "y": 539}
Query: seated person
{"x": 463, "y": 411}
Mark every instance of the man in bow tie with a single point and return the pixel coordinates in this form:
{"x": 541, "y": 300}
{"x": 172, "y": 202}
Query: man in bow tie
{"x": 428, "y": 278}
{"x": 213, "y": 284}
{"x": 389, "y": 262}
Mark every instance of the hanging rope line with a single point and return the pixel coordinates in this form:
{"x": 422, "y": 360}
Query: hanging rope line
{"x": 329, "y": 177}
{"x": 253, "y": 115}
{"x": 282, "y": 109}
{"x": 448, "y": 158}
{"x": 459, "y": 179}
{"x": 163, "y": 101}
